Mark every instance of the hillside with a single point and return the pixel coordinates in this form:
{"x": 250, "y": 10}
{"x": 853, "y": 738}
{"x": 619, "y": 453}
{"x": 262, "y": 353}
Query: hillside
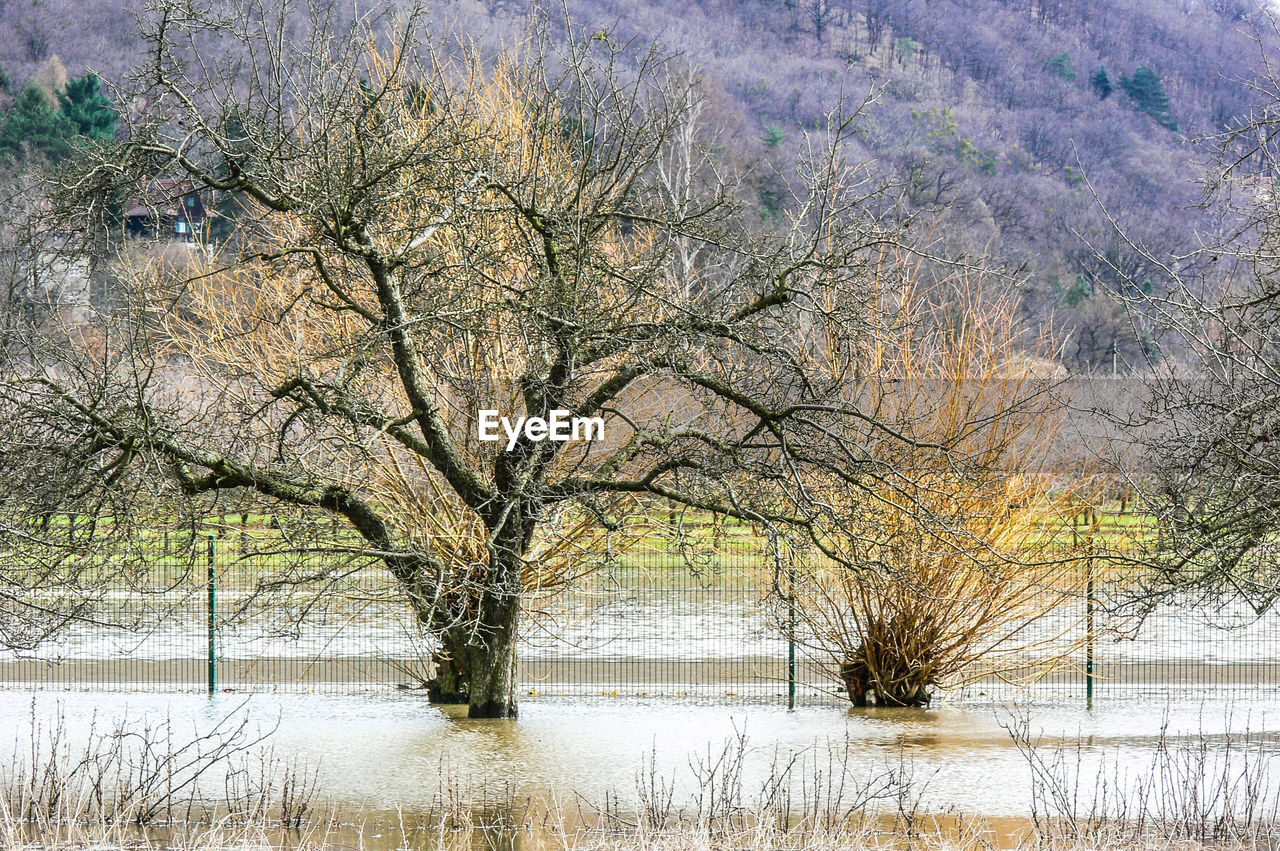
{"x": 1017, "y": 116}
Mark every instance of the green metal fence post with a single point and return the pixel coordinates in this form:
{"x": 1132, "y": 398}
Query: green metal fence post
{"x": 791, "y": 635}
{"x": 1088, "y": 659}
{"x": 213, "y": 615}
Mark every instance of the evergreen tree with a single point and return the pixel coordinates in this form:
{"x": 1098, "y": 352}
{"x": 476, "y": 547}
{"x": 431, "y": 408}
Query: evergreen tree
{"x": 34, "y": 126}
{"x": 84, "y": 103}
{"x": 1060, "y": 66}
{"x": 1101, "y": 83}
{"x": 1147, "y": 93}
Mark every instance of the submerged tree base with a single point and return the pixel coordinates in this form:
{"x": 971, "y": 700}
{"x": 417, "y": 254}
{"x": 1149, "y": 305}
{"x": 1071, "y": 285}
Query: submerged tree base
{"x": 447, "y": 698}
{"x": 866, "y": 689}
{"x": 492, "y": 709}
{"x": 477, "y": 675}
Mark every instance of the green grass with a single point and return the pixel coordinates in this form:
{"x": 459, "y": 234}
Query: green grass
{"x": 255, "y": 550}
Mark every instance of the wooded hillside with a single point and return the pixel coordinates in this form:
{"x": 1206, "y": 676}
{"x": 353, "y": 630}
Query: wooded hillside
{"x": 1016, "y": 116}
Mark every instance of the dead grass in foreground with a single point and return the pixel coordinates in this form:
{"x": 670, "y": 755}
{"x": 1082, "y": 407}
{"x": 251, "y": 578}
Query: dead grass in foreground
{"x": 141, "y": 787}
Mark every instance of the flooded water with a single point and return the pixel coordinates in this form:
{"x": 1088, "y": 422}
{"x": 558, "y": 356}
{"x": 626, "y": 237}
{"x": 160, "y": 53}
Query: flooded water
{"x": 655, "y": 676}
{"x": 379, "y": 752}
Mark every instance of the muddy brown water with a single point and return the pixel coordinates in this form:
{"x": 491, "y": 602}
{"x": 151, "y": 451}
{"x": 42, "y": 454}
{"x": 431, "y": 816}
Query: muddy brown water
{"x": 390, "y": 751}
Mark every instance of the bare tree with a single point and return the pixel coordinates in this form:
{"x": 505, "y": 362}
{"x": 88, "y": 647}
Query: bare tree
{"x": 426, "y": 237}
{"x": 822, "y": 14}
{"x": 877, "y": 14}
{"x": 1211, "y": 428}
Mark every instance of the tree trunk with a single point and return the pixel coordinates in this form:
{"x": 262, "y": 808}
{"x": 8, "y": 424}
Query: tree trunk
{"x": 476, "y": 662}
{"x": 452, "y": 662}
{"x": 476, "y": 622}
{"x": 865, "y": 688}
{"x": 912, "y": 695}
{"x": 493, "y": 666}
{"x": 856, "y": 681}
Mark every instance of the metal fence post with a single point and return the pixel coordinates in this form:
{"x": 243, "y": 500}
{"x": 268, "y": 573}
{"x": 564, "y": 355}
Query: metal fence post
{"x": 791, "y": 634}
{"x": 1088, "y": 660}
{"x": 213, "y": 615}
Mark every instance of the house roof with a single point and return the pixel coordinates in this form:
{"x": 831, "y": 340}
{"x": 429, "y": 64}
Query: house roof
{"x": 160, "y": 197}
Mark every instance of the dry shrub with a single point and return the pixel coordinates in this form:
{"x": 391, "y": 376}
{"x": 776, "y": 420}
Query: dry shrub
{"x": 950, "y": 562}
{"x": 1201, "y": 788}
{"x": 149, "y": 772}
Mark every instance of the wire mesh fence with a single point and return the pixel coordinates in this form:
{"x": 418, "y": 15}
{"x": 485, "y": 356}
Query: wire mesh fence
{"x": 653, "y": 625}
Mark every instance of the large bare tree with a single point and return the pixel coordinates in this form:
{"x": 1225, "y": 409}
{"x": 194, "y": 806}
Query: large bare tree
{"x": 421, "y": 235}
{"x": 1211, "y": 424}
